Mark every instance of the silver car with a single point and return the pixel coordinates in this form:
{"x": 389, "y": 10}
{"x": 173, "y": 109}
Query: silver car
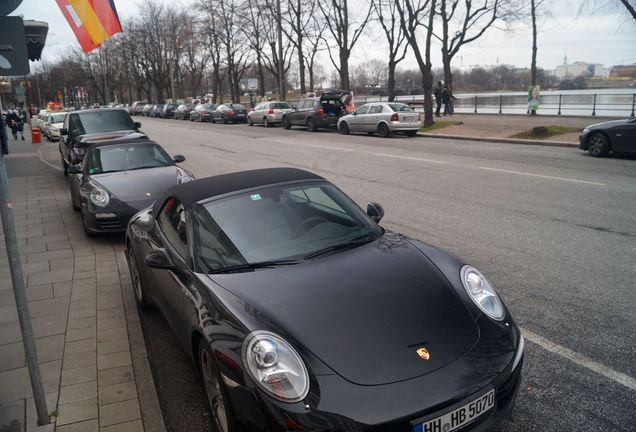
{"x": 383, "y": 118}
{"x": 268, "y": 113}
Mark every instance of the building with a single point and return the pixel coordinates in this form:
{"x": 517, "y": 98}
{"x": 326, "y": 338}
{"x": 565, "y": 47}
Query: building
{"x": 578, "y": 69}
{"x": 623, "y": 72}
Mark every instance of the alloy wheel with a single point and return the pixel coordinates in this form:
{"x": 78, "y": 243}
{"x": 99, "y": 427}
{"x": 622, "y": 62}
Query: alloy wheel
{"x": 214, "y": 392}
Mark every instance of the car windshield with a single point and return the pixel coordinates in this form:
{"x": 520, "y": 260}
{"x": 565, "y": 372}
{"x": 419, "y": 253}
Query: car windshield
{"x": 57, "y": 118}
{"x": 104, "y": 121}
{"x": 125, "y": 157}
{"x": 278, "y": 223}
{"x": 238, "y": 106}
{"x": 400, "y": 107}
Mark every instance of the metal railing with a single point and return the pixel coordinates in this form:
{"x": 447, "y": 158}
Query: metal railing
{"x": 567, "y": 104}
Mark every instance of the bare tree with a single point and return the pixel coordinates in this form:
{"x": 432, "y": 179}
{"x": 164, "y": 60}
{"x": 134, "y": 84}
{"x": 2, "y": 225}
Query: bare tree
{"x": 597, "y": 6}
{"x": 299, "y": 18}
{"x": 195, "y": 54}
{"x": 416, "y": 14}
{"x": 314, "y": 40}
{"x": 339, "y": 23}
{"x": 254, "y": 31}
{"x": 278, "y": 62}
{"x": 386, "y": 12}
{"x": 212, "y": 31}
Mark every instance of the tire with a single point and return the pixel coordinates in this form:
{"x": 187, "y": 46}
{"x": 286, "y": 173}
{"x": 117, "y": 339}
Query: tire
{"x": 598, "y": 145}
{"x": 224, "y": 120}
{"x": 215, "y": 392}
{"x": 411, "y": 134}
{"x": 249, "y": 121}
{"x": 383, "y": 130}
{"x": 344, "y": 128}
{"x": 136, "y": 280}
{"x": 74, "y": 202}
{"x": 266, "y": 122}
{"x": 286, "y": 123}
{"x": 65, "y": 167}
{"x": 311, "y": 125}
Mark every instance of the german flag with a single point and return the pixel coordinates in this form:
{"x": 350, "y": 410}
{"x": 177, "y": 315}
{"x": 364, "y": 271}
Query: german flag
{"x": 92, "y": 21}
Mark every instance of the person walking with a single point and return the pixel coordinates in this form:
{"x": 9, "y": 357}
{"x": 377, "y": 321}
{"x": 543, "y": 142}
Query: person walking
{"x": 16, "y": 125}
{"x": 437, "y": 92}
{"x": 446, "y": 97}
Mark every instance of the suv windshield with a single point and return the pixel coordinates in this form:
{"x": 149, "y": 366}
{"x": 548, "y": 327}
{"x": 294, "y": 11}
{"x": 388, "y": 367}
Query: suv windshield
{"x": 103, "y": 121}
{"x": 278, "y": 223}
{"x": 124, "y": 157}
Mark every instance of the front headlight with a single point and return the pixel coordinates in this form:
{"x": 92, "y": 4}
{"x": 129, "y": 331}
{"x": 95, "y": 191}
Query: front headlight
{"x": 275, "y": 366}
{"x": 586, "y": 130}
{"x": 482, "y": 293}
{"x": 183, "y": 177}
{"x": 100, "y": 197}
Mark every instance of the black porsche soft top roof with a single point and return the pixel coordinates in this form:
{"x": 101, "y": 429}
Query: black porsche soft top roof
{"x": 197, "y": 190}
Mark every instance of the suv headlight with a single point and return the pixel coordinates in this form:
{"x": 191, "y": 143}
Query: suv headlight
{"x": 482, "y": 293}
{"x": 100, "y": 197}
{"x": 275, "y": 366}
{"x": 183, "y": 177}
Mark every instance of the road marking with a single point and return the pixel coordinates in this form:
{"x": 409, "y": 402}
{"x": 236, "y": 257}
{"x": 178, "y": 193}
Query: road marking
{"x": 410, "y": 158}
{"x": 542, "y": 176}
{"x": 326, "y": 147}
{"x": 580, "y": 359}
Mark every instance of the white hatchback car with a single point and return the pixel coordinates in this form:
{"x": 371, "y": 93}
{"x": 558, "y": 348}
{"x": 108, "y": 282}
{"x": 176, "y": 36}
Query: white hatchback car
{"x": 383, "y": 118}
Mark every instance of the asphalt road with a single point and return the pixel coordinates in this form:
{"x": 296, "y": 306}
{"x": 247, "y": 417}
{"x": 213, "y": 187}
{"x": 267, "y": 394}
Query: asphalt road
{"x": 552, "y": 228}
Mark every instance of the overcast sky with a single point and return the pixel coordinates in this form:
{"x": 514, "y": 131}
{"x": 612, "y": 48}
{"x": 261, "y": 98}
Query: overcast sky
{"x": 608, "y": 38}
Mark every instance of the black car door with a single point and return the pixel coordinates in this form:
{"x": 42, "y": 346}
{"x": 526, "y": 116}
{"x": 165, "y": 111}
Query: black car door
{"x": 298, "y": 116}
{"x": 625, "y": 137}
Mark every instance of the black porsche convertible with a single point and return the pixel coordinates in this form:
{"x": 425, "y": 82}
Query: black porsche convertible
{"x": 118, "y": 178}
{"x": 302, "y": 313}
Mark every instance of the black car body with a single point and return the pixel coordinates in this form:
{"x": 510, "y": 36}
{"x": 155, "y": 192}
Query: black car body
{"x": 84, "y": 128}
{"x": 118, "y": 178}
{"x": 183, "y": 111}
{"x": 230, "y": 113}
{"x": 202, "y": 112}
{"x": 320, "y": 113}
{"x": 293, "y": 331}
{"x": 613, "y": 136}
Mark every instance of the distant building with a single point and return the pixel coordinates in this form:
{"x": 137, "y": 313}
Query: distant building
{"x": 578, "y": 69}
{"x": 623, "y": 72}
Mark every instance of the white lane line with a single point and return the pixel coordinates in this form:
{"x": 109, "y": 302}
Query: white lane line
{"x": 580, "y": 359}
{"x": 327, "y": 147}
{"x": 409, "y": 158}
{"x": 542, "y": 176}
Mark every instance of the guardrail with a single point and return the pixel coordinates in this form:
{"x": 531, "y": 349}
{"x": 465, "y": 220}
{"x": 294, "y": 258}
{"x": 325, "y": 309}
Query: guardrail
{"x": 606, "y": 104}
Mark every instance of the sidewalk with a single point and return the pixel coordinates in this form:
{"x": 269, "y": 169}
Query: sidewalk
{"x": 90, "y": 347}
{"x": 501, "y": 127}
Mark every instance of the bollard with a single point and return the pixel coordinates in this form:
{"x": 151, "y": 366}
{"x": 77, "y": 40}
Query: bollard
{"x": 633, "y": 103}
{"x": 475, "y": 104}
{"x": 36, "y": 136}
{"x": 594, "y": 106}
{"x": 560, "y": 104}
{"x": 500, "y": 103}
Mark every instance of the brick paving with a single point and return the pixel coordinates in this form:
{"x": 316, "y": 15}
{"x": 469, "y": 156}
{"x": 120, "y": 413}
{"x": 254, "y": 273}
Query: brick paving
{"x": 88, "y": 339}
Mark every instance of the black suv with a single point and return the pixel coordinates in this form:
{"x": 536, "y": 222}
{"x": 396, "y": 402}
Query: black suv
{"x": 83, "y": 128}
{"x": 319, "y": 113}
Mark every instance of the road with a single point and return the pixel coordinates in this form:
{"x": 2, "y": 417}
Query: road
{"x": 552, "y": 228}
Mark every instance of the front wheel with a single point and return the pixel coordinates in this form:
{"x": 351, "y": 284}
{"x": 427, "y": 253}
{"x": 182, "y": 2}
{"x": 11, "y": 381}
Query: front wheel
{"x": 383, "y": 130}
{"x": 249, "y": 121}
{"x": 214, "y": 390}
{"x": 344, "y": 128}
{"x": 598, "y": 145}
{"x": 65, "y": 167}
{"x": 266, "y": 122}
{"x": 286, "y": 123}
{"x": 135, "y": 277}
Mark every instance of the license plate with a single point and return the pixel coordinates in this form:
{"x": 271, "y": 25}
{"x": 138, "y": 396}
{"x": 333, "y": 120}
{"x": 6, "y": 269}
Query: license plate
{"x": 459, "y": 417}
{"x": 409, "y": 119}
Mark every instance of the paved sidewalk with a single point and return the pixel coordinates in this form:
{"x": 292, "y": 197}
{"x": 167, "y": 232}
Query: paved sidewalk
{"x": 90, "y": 347}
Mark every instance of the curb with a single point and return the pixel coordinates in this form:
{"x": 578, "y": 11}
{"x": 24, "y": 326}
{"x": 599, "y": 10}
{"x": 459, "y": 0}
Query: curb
{"x": 502, "y": 140}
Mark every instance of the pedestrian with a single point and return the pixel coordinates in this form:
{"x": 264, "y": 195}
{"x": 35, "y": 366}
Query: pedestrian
{"x": 437, "y": 91}
{"x": 452, "y": 100}
{"x": 16, "y": 125}
{"x": 446, "y": 98}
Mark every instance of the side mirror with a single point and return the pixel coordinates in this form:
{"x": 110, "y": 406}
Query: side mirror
{"x": 375, "y": 211}
{"x": 178, "y": 158}
{"x": 137, "y": 125}
{"x": 63, "y": 131}
{"x": 354, "y": 113}
{"x": 75, "y": 169}
{"x": 158, "y": 259}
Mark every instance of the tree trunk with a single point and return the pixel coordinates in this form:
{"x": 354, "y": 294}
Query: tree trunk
{"x": 260, "y": 75}
{"x": 533, "y": 65}
{"x": 301, "y": 68}
{"x": 345, "y": 83}
{"x": 391, "y": 81}
{"x": 448, "y": 75}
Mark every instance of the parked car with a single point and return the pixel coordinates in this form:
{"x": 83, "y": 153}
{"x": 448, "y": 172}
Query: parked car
{"x": 229, "y": 112}
{"x": 168, "y": 111}
{"x": 617, "y": 136}
{"x": 202, "y": 112}
{"x": 85, "y": 128}
{"x": 183, "y": 111}
{"x": 41, "y": 121}
{"x": 268, "y": 113}
{"x": 300, "y": 310}
{"x": 383, "y": 118}
{"x": 147, "y": 109}
{"x": 319, "y": 113}
{"x": 157, "y": 110}
{"x": 54, "y": 122}
{"x": 117, "y": 179}
{"x": 137, "y": 107}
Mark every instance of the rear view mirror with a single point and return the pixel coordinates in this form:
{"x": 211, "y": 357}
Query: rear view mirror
{"x": 159, "y": 259}
{"x": 137, "y": 124}
{"x": 178, "y": 158}
{"x": 75, "y": 169}
{"x": 63, "y": 131}
{"x": 375, "y": 211}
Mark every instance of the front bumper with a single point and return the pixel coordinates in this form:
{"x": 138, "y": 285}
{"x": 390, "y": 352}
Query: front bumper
{"x": 113, "y": 218}
{"x": 583, "y": 138}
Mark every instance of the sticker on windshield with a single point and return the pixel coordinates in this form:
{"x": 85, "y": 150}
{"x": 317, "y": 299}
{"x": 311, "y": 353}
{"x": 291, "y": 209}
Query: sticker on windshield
{"x": 255, "y": 197}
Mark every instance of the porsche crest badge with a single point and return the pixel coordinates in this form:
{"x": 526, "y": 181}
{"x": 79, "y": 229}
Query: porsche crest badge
{"x": 423, "y": 353}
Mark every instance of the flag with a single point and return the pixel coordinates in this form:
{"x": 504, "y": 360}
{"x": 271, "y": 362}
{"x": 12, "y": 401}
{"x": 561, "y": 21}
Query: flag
{"x": 92, "y": 21}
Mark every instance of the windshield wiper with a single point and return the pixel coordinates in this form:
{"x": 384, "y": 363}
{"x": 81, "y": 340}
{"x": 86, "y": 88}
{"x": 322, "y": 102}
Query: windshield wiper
{"x": 356, "y": 241}
{"x": 252, "y": 266}
{"x": 145, "y": 166}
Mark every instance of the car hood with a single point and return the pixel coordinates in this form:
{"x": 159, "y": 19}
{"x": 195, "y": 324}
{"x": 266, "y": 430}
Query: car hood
{"x": 364, "y": 312}
{"x": 114, "y": 135}
{"x": 133, "y": 187}
{"x": 609, "y": 124}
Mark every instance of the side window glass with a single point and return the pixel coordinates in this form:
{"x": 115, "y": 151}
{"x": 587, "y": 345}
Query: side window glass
{"x": 375, "y": 109}
{"x": 362, "y": 110}
{"x": 173, "y": 225}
